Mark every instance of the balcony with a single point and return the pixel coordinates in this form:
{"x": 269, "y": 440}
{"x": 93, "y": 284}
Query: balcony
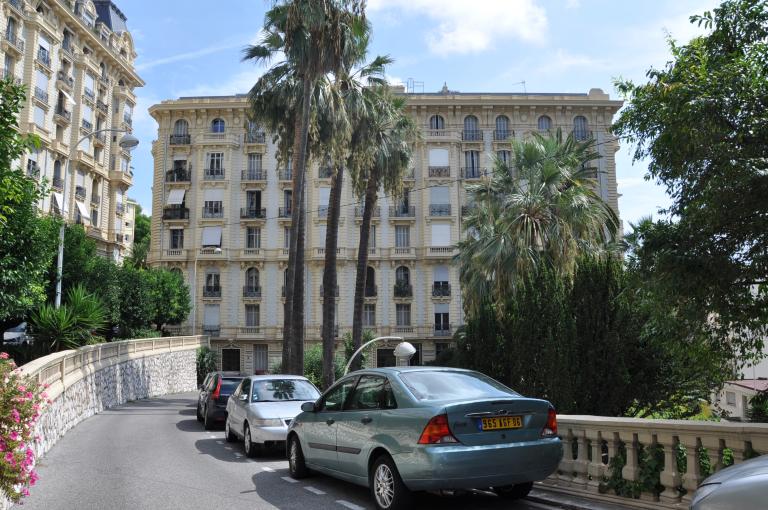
{"x": 180, "y": 140}
{"x": 80, "y": 192}
{"x": 86, "y": 125}
{"x": 371, "y": 291}
{"x": 285, "y": 174}
{"x": 89, "y": 95}
{"x": 403, "y": 252}
{"x": 123, "y": 177}
{"x": 472, "y": 172}
{"x": 403, "y": 290}
{"x": 62, "y": 116}
{"x": 213, "y": 174}
{"x": 62, "y": 78}
{"x": 472, "y": 135}
{"x": 33, "y": 170}
{"x": 440, "y": 251}
{"x": 127, "y": 119}
{"x": 442, "y": 330}
{"x": 43, "y": 57}
{"x": 13, "y": 42}
{"x": 212, "y": 291}
{"x": 175, "y": 212}
{"x": 41, "y": 95}
{"x": 119, "y": 209}
{"x": 178, "y": 176}
{"x": 213, "y": 213}
{"x": 68, "y": 48}
{"x": 102, "y": 107}
{"x": 212, "y": 330}
{"x": 359, "y": 210}
{"x": 247, "y": 331}
{"x": 211, "y": 251}
{"x": 104, "y": 80}
{"x": 58, "y": 183}
{"x": 437, "y": 133}
{"x": 441, "y": 289}
{"x": 284, "y": 212}
{"x": 325, "y": 172}
{"x": 335, "y": 291}
{"x": 440, "y": 172}
{"x": 253, "y": 213}
{"x": 100, "y": 139}
{"x": 439, "y": 209}
{"x": 502, "y": 135}
{"x": 252, "y": 291}
{"x": 176, "y": 253}
{"x": 402, "y": 211}
{"x": 255, "y": 138}
{"x": 253, "y": 175}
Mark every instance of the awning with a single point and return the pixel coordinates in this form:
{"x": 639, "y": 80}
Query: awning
{"x": 67, "y": 97}
{"x": 211, "y": 236}
{"x": 441, "y": 274}
{"x": 441, "y": 308}
{"x": 213, "y": 195}
{"x": 83, "y": 210}
{"x": 176, "y": 197}
{"x": 59, "y": 199}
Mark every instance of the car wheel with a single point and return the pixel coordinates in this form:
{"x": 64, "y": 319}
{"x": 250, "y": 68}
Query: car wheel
{"x": 197, "y": 412}
{"x": 518, "y": 491}
{"x": 251, "y": 449}
{"x": 228, "y": 434}
{"x": 207, "y": 421}
{"x": 388, "y": 490}
{"x": 297, "y": 468}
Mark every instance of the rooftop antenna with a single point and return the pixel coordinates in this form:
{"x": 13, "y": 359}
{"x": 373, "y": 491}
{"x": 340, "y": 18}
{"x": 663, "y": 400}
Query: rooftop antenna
{"x": 411, "y": 86}
{"x": 525, "y": 91}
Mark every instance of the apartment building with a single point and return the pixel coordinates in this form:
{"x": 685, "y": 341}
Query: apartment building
{"x": 76, "y": 60}
{"x": 221, "y": 214}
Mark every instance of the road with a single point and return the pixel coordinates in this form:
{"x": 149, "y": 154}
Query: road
{"x": 154, "y": 454}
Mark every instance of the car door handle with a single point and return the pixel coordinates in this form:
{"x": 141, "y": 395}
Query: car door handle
{"x": 366, "y": 420}
{"x": 330, "y": 421}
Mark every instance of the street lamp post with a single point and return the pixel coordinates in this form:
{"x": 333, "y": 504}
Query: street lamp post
{"x": 129, "y": 142}
{"x": 403, "y": 350}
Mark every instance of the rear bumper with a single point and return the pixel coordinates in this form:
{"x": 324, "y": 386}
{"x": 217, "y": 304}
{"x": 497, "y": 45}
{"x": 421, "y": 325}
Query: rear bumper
{"x": 471, "y": 467}
{"x": 217, "y": 412}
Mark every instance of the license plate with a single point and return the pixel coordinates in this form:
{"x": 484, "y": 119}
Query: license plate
{"x": 502, "y": 422}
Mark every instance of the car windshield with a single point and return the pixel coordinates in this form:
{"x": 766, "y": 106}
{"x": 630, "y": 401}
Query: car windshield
{"x": 229, "y": 385}
{"x": 276, "y": 390}
{"x": 445, "y": 385}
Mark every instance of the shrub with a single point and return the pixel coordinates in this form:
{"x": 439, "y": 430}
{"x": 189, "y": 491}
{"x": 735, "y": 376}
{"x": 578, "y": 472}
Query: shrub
{"x": 71, "y": 325}
{"x": 205, "y": 363}
{"x": 758, "y": 408}
{"x": 21, "y": 402}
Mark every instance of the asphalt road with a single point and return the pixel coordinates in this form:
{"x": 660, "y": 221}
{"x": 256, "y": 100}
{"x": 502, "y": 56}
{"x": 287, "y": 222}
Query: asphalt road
{"x": 154, "y": 454}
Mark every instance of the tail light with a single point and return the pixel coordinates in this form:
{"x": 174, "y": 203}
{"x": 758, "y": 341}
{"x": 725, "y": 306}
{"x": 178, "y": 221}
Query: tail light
{"x": 437, "y": 431}
{"x": 550, "y": 429}
{"x": 215, "y": 394}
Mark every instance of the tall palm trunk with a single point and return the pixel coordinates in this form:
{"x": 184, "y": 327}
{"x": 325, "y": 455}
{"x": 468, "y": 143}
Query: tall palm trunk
{"x": 291, "y": 344}
{"x": 298, "y": 288}
{"x": 362, "y": 266}
{"x": 329, "y": 276}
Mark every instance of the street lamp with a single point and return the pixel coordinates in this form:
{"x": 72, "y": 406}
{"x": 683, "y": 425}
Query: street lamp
{"x": 127, "y": 142}
{"x": 403, "y": 351}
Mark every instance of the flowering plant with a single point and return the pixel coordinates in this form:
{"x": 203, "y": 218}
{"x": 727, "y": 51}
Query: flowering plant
{"x": 21, "y": 402}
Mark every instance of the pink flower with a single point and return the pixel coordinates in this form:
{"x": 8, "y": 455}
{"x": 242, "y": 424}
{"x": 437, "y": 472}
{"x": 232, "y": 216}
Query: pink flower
{"x": 22, "y": 388}
{"x": 4, "y": 355}
{"x": 14, "y": 435}
{"x": 25, "y": 492}
{"x": 9, "y": 457}
{"x": 15, "y": 415}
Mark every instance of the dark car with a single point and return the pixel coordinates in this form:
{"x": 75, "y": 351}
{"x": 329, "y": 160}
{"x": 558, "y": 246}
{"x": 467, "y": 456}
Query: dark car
{"x": 213, "y": 396}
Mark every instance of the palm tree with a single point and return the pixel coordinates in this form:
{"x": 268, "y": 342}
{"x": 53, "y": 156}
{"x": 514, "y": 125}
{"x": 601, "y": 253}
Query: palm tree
{"x": 314, "y": 36}
{"x": 388, "y": 134}
{"x": 541, "y": 209}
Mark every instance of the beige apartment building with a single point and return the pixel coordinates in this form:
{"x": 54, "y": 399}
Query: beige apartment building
{"x": 76, "y": 60}
{"x": 221, "y": 214}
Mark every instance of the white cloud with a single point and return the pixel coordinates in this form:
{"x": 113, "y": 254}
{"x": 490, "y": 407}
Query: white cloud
{"x": 469, "y": 27}
{"x": 563, "y": 60}
{"x": 190, "y": 55}
{"x": 239, "y": 83}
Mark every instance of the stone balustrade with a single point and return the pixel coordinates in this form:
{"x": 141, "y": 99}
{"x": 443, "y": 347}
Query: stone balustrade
{"x": 602, "y": 452}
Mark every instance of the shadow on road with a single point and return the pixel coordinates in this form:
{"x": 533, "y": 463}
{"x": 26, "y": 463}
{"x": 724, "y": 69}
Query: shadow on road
{"x": 189, "y": 426}
{"x": 216, "y": 448}
{"x": 188, "y": 412}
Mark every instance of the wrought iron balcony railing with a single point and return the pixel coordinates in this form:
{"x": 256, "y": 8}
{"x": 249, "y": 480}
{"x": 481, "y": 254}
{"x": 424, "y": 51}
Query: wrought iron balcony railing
{"x": 175, "y": 213}
{"x": 439, "y": 209}
{"x": 472, "y": 135}
{"x": 441, "y": 289}
{"x": 180, "y": 140}
{"x": 402, "y": 211}
{"x": 253, "y": 212}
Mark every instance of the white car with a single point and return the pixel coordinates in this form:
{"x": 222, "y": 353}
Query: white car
{"x": 17, "y": 335}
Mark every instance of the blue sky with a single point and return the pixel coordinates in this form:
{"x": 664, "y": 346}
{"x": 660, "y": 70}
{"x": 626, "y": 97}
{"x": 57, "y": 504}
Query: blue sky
{"x": 193, "y": 47}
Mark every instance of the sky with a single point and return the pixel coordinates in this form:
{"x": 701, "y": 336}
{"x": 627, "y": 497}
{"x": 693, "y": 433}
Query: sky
{"x": 194, "y": 47}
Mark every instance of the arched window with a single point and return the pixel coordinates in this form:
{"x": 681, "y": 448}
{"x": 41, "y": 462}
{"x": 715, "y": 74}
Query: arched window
{"x": 403, "y": 275}
{"x": 545, "y": 123}
{"x": 580, "y": 128}
{"x": 436, "y": 122}
{"x": 56, "y": 171}
{"x": 252, "y": 279}
{"x": 181, "y": 127}
{"x": 471, "y": 130}
{"x": 217, "y": 126}
{"x": 370, "y": 282}
{"x": 502, "y": 127}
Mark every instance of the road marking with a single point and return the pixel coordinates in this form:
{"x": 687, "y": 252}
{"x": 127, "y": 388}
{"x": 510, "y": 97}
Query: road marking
{"x": 349, "y": 505}
{"x": 289, "y": 479}
{"x": 314, "y": 490}
{"x": 212, "y": 436}
{"x": 238, "y": 455}
{"x": 268, "y": 469}
{"x": 219, "y": 442}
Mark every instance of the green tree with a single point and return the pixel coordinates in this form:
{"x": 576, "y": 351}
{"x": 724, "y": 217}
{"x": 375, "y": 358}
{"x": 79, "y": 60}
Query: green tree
{"x": 141, "y": 238}
{"x": 27, "y": 241}
{"x": 170, "y": 297}
{"x": 700, "y": 122}
{"x": 79, "y": 252}
{"x": 136, "y": 304}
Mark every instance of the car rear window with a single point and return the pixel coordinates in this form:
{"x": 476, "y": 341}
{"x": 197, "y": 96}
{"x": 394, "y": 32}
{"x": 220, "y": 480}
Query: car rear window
{"x": 279, "y": 390}
{"x": 445, "y": 385}
{"x": 228, "y": 385}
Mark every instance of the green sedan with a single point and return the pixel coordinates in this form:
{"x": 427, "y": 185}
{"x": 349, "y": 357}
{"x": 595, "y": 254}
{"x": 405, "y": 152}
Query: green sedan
{"x": 403, "y": 429}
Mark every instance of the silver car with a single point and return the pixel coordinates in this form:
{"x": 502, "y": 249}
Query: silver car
{"x": 743, "y": 486}
{"x": 263, "y": 406}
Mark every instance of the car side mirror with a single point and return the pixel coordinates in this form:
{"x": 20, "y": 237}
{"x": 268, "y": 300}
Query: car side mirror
{"x": 308, "y": 407}
{"x": 244, "y": 398}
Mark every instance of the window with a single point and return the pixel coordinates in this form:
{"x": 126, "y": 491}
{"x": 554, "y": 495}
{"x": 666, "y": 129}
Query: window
{"x": 440, "y": 283}
{"x": 438, "y": 157}
{"x": 260, "y": 359}
{"x": 125, "y": 165}
{"x": 90, "y": 86}
{"x": 403, "y": 275}
{"x": 334, "y": 400}
{"x": 324, "y": 196}
{"x": 402, "y": 236}
{"x": 253, "y": 238}
{"x": 181, "y": 127}
{"x": 212, "y": 280}
{"x": 545, "y": 123}
{"x": 128, "y": 112}
{"x": 177, "y": 239}
{"x": 403, "y": 313}
{"x": 254, "y": 162}
{"x": 95, "y": 217}
{"x": 441, "y": 234}
{"x": 502, "y": 127}
{"x": 504, "y": 156}
{"x": 41, "y": 80}
{"x": 230, "y": 361}
{"x": 287, "y": 200}
{"x": 369, "y": 315}
{"x": 580, "y": 128}
{"x": 252, "y": 278}
{"x": 371, "y": 392}
{"x": 253, "y": 200}
{"x": 211, "y": 316}
{"x": 730, "y": 398}
{"x": 251, "y": 316}
{"x": 472, "y": 161}
{"x": 287, "y": 238}
{"x": 39, "y": 117}
{"x": 448, "y": 385}
{"x": 44, "y": 50}
{"x": 436, "y": 122}
{"x": 217, "y": 126}
{"x": 442, "y": 319}
{"x": 471, "y": 131}
{"x": 216, "y": 163}
{"x": 213, "y": 209}
{"x": 372, "y": 237}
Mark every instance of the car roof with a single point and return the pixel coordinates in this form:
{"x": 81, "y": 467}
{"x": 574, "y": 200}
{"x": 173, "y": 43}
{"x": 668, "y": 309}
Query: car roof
{"x": 276, "y": 376}
{"x": 398, "y": 370}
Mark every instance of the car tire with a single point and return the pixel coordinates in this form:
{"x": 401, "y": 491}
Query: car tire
{"x": 251, "y": 449}
{"x": 197, "y": 412}
{"x": 513, "y": 492}
{"x": 387, "y": 488}
{"x": 228, "y": 434}
{"x": 207, "y": 421}
{"x": 297, "y": 467}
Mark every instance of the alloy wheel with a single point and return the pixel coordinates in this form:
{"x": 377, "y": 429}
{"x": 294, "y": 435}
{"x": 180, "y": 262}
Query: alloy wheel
{"x": 384, "y": 486}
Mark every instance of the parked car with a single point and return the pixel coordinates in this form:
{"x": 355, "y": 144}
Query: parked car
{"x": 17, "y": 335}
{"x": 402, "y": 429}
{"x": 262, "y": 408}
{"x": 743, "y": 486}
{"x": 213, "y": 396}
